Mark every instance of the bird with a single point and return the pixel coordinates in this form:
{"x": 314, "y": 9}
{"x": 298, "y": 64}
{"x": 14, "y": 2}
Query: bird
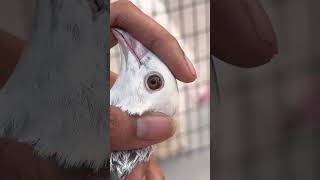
{"x": 144, "y": 84}
{"x": 55, "y": 100}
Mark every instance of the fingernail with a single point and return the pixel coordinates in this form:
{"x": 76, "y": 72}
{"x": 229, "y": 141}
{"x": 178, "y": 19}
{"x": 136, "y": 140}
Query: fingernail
{"x": 191, "y": 67}
{"x": 154, "y": 127}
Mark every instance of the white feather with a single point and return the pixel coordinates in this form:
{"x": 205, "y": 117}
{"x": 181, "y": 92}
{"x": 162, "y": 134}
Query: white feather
{"x": 131, "y": 95}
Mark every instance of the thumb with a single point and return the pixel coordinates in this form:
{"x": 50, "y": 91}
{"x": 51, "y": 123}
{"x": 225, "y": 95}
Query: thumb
{"x": 129, "y": 132}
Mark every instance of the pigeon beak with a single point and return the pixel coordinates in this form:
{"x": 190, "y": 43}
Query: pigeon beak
{"x": 132, "y": 51}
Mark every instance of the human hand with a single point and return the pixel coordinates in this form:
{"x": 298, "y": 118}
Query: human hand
{"x": 248, "y": 39}
{"x": 127, "y": 16}
{"x": 129, "y": 132}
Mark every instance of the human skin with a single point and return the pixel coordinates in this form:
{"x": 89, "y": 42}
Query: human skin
{"x": 10, "y": 50}
{"x": 19, "y": 159}
{"x": 242, "y": 33}
{"x": 123, "y": 131}
{"x": 125, "y": 15}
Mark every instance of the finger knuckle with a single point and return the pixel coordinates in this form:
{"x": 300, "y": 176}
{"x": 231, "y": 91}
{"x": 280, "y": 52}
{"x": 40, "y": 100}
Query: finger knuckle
{"x": 125, "y": 4}
{"x": 171, "y": 40}
{"x": 161, "y": 39}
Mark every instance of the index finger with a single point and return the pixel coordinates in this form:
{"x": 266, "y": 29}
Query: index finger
{"x": 127, "y": 16}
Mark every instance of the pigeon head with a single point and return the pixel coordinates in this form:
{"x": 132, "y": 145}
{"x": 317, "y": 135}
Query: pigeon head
{"x": 144, "y": 84}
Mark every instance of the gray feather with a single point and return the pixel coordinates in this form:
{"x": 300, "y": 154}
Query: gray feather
{"x": 56, "y": 97}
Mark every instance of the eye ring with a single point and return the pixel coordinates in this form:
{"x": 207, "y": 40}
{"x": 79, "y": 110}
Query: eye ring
{"x": 154, "y": 81}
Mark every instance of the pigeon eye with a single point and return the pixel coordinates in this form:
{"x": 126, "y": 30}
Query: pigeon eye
{"x": 154, "y": 81}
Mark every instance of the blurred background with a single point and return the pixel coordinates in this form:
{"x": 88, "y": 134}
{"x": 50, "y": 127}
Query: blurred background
{"x": 266, "y": 126}
{"x": 187, "y": 154}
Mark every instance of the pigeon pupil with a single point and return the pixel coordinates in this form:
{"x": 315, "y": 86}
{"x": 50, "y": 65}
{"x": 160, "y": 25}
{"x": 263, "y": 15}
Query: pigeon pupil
{"x": 153, "y": 81}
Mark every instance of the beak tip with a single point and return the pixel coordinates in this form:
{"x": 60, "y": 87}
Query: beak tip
{"x": 129, "y": 43}
{"x": 118, "y": 32}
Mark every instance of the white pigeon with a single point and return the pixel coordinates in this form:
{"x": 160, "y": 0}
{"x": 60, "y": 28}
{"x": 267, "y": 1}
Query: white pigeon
{"x": 53, "y": 98}
{"x": 144, "y": 84}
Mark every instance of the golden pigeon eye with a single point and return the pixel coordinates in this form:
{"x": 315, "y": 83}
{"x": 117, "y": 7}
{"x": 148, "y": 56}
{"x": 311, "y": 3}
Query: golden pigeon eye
{"x": 154, "y": 81}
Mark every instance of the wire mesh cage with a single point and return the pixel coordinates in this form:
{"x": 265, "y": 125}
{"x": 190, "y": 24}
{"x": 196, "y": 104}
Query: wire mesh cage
{"x": 188, "y": 21}
{"x": 266, "y": 118}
